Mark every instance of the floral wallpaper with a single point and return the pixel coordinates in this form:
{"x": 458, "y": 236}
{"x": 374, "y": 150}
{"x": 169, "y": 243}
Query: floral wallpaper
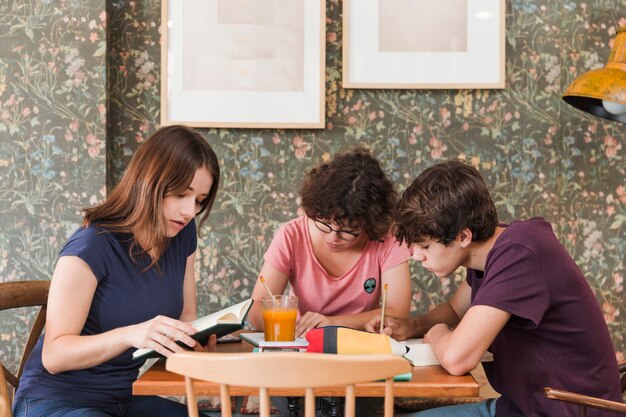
{"x": 540, "y": 156}
{"x": 52, "y": 138}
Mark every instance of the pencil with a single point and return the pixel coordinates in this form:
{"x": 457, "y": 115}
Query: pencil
{"x": 265, "y": 285}
{"x": 382, "y": 310}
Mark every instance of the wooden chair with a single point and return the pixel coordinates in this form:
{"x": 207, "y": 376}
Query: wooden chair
{"x": 20, "y": 294}
{"x": 286, "y": 370}
{"x": 585, "y": 401}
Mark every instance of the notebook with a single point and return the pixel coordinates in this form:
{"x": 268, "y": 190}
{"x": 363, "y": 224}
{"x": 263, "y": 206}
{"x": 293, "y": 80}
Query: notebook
{"x": 258, "y": 339}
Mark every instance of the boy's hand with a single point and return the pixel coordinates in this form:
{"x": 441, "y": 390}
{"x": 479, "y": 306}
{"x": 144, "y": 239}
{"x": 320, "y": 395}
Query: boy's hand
{"x": 395, "y": 327}
{"x": 436, "y": 332}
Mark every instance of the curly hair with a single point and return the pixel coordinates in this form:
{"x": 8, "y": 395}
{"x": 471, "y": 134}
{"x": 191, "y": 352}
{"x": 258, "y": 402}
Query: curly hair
{"x": 351, "y": 190}
{"x": 441, "y": 202}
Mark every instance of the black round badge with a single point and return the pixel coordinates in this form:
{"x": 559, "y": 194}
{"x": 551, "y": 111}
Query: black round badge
{"x": 370, "y": 285}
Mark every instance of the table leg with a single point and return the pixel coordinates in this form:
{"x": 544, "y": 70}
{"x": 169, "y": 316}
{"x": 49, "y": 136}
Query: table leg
{"x": 335, "y": 407}
{"x": 293, "y": 405}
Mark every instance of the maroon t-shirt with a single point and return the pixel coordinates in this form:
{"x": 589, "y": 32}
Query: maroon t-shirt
{"x": 556, "y": 335}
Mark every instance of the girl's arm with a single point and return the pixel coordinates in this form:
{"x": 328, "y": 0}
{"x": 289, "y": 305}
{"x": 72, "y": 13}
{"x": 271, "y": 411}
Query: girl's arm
{"x": 398, "y": 304}
{"x": 71, "y": 293}
{"x": 277, "y": 281}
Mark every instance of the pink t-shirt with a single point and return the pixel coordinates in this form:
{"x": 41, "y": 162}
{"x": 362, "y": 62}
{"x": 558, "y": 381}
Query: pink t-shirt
{"x": 358, "y": 290}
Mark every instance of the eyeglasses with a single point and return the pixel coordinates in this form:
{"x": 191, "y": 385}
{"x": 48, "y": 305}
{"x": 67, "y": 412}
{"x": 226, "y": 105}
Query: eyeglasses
{"x": 341, "y": 234}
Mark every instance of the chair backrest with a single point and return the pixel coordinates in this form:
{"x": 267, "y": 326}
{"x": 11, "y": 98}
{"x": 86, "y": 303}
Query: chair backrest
{"x": 286, "y": 370}
{"x": 20, "y": 294}
{"x": 584, "y": 401}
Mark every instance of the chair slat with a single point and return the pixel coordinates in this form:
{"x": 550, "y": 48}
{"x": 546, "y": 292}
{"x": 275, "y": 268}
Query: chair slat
{"x": 225, "y": 399}
{"x": 192, "y": 407}
{"x": 350, "y": 402}
{"x": 309, "y": 403}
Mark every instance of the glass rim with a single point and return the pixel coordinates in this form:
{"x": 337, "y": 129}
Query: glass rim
{"x": 279, "y": 296}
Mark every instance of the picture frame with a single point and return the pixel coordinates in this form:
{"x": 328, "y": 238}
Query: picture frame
{"x": 420, "y": 44}
{"x": 243, "y": 63}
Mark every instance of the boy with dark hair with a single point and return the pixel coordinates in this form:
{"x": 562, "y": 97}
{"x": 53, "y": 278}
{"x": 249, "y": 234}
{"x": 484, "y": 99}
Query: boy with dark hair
{"x": 524, "y": 300}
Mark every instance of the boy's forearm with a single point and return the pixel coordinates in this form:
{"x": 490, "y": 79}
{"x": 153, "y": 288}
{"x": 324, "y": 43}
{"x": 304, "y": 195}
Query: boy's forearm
{"x": 443, "y": 313}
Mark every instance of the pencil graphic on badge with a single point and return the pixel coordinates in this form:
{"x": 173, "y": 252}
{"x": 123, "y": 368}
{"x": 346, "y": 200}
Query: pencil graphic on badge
{"x": 382, "y": 309}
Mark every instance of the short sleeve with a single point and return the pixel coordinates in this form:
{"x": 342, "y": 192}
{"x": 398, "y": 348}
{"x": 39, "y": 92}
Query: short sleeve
{"x": 514, "y": 282}
{"x": 392, "y": 254}
{"x": 93, "y": 246}
{"x": 279, "y": 254}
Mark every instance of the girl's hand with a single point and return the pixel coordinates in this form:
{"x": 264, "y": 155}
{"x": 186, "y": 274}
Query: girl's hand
{"x": 311, "y": 320}
{"x": 209, "y": 347}
{"x": 161, "y": 334}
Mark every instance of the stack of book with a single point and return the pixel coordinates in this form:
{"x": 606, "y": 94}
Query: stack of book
{"x": 258, "y": 340}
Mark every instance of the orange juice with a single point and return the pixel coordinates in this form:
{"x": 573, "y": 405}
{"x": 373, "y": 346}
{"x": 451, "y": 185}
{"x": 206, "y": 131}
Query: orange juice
{"x": 280, "y": 325}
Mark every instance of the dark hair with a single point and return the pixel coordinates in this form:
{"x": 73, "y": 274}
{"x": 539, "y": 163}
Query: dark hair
{"x": 166, "y": 162}
{"x": 442, "y": 201}
{"x": 351, "y": 190}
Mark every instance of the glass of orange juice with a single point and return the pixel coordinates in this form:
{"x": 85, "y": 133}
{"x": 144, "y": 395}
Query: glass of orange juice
{"x": 279, "y": 317}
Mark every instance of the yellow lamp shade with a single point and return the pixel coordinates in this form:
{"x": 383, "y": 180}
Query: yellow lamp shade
{"x": 602, "y": 92}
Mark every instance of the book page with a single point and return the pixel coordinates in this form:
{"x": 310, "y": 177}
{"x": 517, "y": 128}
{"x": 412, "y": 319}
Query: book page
{"x": 232, "y": 314}
{"x": 420, "y": 353}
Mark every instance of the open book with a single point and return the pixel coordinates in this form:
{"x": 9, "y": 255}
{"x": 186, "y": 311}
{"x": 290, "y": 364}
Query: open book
{"x": 421, "y": 354}
{"x": 220, "y": 323}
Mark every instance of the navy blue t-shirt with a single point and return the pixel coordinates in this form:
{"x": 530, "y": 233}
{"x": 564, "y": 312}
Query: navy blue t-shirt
{"x": 556, "y": 336}
{"x": 125, "y": 295}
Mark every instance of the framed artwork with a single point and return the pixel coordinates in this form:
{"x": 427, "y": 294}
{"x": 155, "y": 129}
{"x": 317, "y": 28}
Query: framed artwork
{"x": 423, "y": 43}
{"x": 243, "y": 63}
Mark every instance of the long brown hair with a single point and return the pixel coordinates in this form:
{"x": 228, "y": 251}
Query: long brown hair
{"x": 166, "y": 162}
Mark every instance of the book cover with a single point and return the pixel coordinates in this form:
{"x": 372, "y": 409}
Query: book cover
{"x": 258, "y": 339}
{"x": 220, "y": 323}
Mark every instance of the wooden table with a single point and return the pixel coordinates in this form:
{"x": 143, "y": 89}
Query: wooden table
{"x": 427, "y": 381}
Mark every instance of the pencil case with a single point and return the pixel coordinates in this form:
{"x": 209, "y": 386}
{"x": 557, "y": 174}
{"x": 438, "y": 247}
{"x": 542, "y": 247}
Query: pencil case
{"x": 344, "y": 340}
